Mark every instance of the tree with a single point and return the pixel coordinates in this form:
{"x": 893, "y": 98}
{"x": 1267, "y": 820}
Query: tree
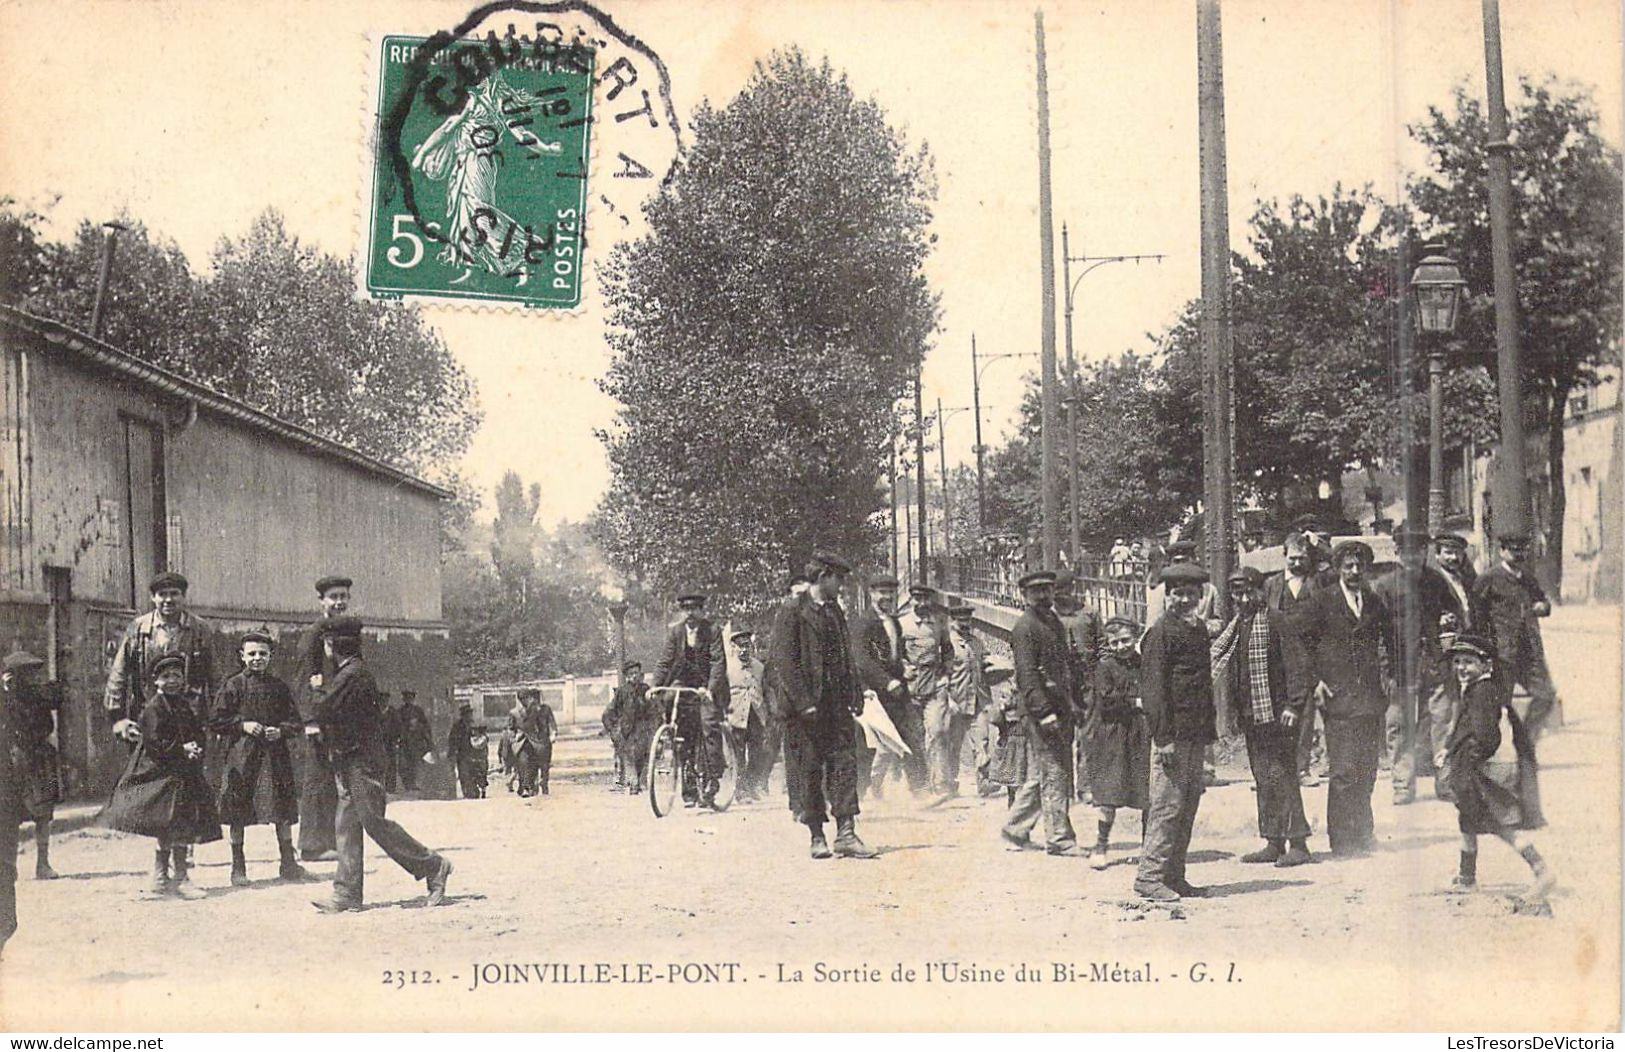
{"x": 1567, "y": 232}
{"x": 762, "y": 330}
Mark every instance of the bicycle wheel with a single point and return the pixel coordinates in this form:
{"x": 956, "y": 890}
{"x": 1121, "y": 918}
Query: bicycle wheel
{"x": 664, "y": 772}
{"x": 728, "y": 780}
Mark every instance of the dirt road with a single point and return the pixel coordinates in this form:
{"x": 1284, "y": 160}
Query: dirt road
{"x": 583, "y": 910}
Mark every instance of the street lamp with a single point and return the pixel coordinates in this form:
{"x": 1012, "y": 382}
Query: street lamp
{"x": 942, "y": 467}
{"x": 616, "y": 601}
{"x": 1437, "y": 292}
{"x": 976, "y": 400}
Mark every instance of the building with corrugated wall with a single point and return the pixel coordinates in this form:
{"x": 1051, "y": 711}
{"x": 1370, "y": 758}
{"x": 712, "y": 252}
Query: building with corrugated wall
{"x": 112, "y": 469}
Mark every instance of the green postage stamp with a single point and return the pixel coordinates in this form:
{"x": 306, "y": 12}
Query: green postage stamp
{"x": 480, "y": 170}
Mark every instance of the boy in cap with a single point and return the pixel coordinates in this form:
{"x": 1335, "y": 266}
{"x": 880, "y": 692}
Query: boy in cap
{"x": 32, "y": 710}
{"x": 695, "y": 657}
{"x": 162, "y": 792}
{"x": 255, "y": 716}
{"x": 1509, "y": 602}
{"x": 634, "y": 724}
{"x": 1176, "y": 684}
{"x": 466, "y": 747}
{"x": 1119, "y": 752}
{"x": 1047, "y": 696}
{"x": 347, "y": 712}
{"x": 318, "y": 797}
{"x": 1491, "y": 765}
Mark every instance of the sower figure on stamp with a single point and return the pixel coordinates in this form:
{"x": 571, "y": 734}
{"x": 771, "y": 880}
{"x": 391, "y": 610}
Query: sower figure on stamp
{"x": 1046, "y": 697}
{"x": 1492, "y": 769}
{"x": 1509, "y": 602}
{"x": 694, "y": 657}
{"x": 349, "y": 716}
{"x": 1176, "y": 684}
{"x": 33, "y": 710}
{"x": 1348, "y": 640}
{"x": 169, "y": 628}
{"x": 467, "y": 750}
{"x": 318, "y": 797}
{"x": 819, "y": 694}
{"x": 255, "y": 717}
{"x": 877, "y": 653}
{"x": 1258, "y": 654}
{"x": 1417, "y": 597}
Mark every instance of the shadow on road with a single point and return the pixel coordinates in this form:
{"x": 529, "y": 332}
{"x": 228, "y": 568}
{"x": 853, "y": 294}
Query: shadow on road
{"x": 1247, "y": 887}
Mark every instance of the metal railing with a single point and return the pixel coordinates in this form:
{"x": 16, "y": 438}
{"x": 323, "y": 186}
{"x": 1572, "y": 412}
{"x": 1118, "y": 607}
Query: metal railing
{"x": 1112, "y": 588}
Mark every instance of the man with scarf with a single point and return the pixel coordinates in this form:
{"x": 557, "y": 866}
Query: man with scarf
{"x": 1253, "y": 654}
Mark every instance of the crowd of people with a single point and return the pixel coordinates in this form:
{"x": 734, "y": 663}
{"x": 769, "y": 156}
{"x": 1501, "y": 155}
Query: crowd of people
{"x": 1421, "y": 661}
{"x": 1418, "y": 663}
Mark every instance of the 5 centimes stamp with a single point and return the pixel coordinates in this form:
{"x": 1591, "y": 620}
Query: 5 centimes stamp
{"x": 495, "y": 141}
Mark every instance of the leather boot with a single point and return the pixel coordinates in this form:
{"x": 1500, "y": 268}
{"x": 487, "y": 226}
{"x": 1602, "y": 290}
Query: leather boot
{"x": 290, "y": 868}
{"x": 820, "y": 846}
{"x": 160, "y": 884}
{"x": 239, "y": 867}
{"x": 183, "y": 886}
{"x": 42, "y": 850}
{"x": 847, "y": 844}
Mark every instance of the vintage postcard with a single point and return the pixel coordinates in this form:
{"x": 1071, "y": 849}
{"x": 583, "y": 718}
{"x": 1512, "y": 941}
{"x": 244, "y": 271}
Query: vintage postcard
{"x": 811, "y": 515}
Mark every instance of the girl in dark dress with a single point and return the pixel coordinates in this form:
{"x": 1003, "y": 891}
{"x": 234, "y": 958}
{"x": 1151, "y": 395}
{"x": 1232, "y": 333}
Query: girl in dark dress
{"x": 1491, "y": 766}
{"x": 255, "y": 716}
{"x": 162, "y": 792}
{"x": 1115, "y": 739}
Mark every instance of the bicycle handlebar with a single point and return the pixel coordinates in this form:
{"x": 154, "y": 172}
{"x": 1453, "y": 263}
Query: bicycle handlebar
{"x": 678, "y": 692}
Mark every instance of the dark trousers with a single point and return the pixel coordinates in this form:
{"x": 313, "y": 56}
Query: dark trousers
{"x": 1537, "y": 680}
{"x": 761, "y": 751}
{"x": 1176, "y": 791}
{"x": 361, "y": 810}
{"x": 1353, "y": 746}
{"x": 820, "y": 767}
{"x": 544, "y": 765}
{"x": 1272, "y": 753}
{"x": 392, "y": 769}
{"x": 407, "y": 767}
{"x": 471, "y": 776}
{"x": 526, "y": 761}
{"x": 318, "y": 804}
{"x": 11, "y": 817}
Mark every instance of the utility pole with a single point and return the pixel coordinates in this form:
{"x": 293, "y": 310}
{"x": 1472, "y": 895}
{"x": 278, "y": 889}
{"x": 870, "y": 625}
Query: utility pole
{"x": 1093, "y": 262}
{"x": 893, "y": 491}
{"x": 1218, "y": 462}
{"x": 110, "y": 233}
{"x": 1511, "y": 506}
{"x": 942, "y": 467}
{"x": 981, "y": 475}
{"x": 1046, "y": 247}
{"x": 919, "y": 470}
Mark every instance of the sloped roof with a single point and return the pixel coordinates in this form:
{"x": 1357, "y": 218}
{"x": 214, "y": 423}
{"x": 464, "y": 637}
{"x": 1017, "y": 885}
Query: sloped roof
{"x": 88, "y": 350}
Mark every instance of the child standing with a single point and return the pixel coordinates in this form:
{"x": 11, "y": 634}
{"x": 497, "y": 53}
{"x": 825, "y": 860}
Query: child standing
{"x": 255, "y": 715}
{"x": 1491, "y": 766}
{"x": 162, "y": 792}
{"x": 1115, "y": 740}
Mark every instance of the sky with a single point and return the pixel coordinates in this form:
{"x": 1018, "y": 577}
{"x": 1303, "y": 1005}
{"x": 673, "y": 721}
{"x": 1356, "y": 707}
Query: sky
{"x": 198, "y": 116}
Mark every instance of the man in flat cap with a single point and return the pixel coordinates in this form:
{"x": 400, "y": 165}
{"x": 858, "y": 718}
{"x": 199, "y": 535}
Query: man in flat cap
{"x": 1176, "y": 684}
{"x": 878, "y": 652}
{"x": 1257, "y": 655}
{"x": 1288, "y": 591}
{"x": 1347, "y": 633}
{"x": 695, "y": 657}
{"x": 625, "y": 723}
{"x": 819, "y": 694}
{"x": 1046, "y": 696}
{"x": 1509, "y": 602}
{"x": 1417, "y": 597}
{"x": 32, "y": 710}
{"x": 745, "y": 723}
{"x": 1085, "y": 636}
{"x": 318, "y": 799}
{"x": 1183, "y": 552}
{"x": 928, "y": 652}
{"x": 347, "y": 711}
{"x": 969, "y": 694}
{"x": 416, "y": 743}
{"x": 534, "y": 727}
{"x": 468, "y": 752}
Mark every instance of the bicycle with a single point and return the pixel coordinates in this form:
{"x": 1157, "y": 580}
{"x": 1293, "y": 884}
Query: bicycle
{"x": 674, "y": 757}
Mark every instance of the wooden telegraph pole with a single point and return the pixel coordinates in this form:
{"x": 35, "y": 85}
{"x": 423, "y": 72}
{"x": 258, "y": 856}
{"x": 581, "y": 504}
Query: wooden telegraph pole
{"x": 1218, "y": 414}
{"x": 1046, "y": 247}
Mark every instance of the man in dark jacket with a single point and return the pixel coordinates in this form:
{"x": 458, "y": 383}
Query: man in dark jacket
{"x": 348, "y": 714}
{"x": 628, "y": 725}
{"x": 1176, "y": 684}
{"x": 534, "y": 729}
{"x": 695, "y": 657}
{"x": 1348, "y": 639}
{"x": 818, "y": 693}
{"x": 1086, "y": 637}
{"x": 1417, "y": 597}
{"x": 392, "y": 741}
{"x": 1289, "y": 591}
{"x": 1508, "y": 602}
{"x": 468, "y": 752}
{"x": 318, "y": 799}
{"x": 416, "y": 740}
{"x": 1046, "y": 696}
{"x": 1255, "y": 651}
{"x": 33, "y": 710}
{"x": 878, "y": 651}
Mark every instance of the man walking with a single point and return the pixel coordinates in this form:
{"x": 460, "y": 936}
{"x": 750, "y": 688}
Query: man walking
{"x": 32, "y": 710}
{"x": 819, "y": 694}
{"x": 1045, "y": 696}
{"x": 626, "y": 723}
{"x": 318, "y": 796}
{"x": 348, "y": 713}
{"x": 1416, "y": 597}
{"x": 1288, "y": 592}
{"x": 878, "y": 654}
{"x": 534, "y": 729}
{"x": 1254, "y": 653}
{"x": 928, "y": 662}
{"x": 1085, "y": 636}
{"x": 694, "y": 657}
{"x": 467, "y": 749}
{"x": 1508, "y": 602}
{"x": 1176, "y": 683}
{"x": 1346, "y": 631}
{"x": 416, "y": 741}
{"x": 968, "y": 695}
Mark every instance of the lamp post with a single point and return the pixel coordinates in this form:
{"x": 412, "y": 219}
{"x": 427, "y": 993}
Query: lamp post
{"x": 977, "y": 366}
{"x": 1075, "y": 544}
{"x": 942, "y": 467}
{"x": 617, "y": 610}
{"x": 1436, "y": 292}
